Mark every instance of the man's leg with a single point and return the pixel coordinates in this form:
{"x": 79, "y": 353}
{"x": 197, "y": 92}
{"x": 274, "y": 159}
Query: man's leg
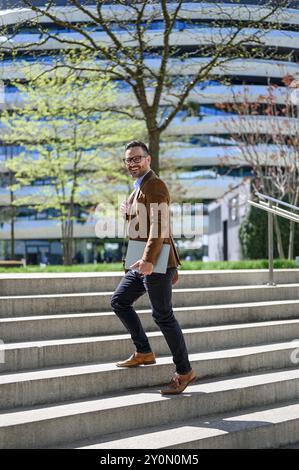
{"x": 130, "y": 289}
{"x": 159, "y": 288}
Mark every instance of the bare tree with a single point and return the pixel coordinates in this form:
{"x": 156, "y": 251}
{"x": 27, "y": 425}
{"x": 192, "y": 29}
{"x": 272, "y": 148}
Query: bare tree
{"x": 266, "y": 131}
{"x": 160, "y": 67}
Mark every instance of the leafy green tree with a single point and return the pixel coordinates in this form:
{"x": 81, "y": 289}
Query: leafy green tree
{"x": 8, "y": 211}
{"x": 68, "y": 139}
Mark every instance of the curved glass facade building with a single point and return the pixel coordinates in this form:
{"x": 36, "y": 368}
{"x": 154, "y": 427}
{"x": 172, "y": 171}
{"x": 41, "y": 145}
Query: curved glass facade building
{"x": 199, "y": 142}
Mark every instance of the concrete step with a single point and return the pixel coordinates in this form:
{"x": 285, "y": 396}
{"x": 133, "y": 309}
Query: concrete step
{"x": 54, "y": 425}
{"x": 79, "y": 325}
{"x": 294, "y": 445}
{"x": 66, "y": 283}
{"x": 263, "y": 428}
{"x": 47, "y": 353}
{"x": 20, "y": 306}
{"x": 80, "y": 382}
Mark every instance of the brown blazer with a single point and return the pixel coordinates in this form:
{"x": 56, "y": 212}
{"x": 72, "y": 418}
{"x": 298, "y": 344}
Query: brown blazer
{"x": 147, "y": 223}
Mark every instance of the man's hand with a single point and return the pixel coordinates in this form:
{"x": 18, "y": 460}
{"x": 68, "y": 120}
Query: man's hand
{"x": 124, "y": 208}
{"x": 144, "y": 267}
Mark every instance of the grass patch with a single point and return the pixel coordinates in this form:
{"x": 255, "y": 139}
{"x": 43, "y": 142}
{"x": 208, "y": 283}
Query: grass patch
{"x": 244, "y": 264}
{"x": 193, "y": 265}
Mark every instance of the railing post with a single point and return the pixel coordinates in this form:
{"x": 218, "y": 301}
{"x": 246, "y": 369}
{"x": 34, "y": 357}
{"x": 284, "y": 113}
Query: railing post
{"x": 279, "y": 212}
{"x": 270, "y": 247}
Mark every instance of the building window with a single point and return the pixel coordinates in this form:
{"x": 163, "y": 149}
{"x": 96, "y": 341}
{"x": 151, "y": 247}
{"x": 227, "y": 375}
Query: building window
{"x": 234, "y": 210}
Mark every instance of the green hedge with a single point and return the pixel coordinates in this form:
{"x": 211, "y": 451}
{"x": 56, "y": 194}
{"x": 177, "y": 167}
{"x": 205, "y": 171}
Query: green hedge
{"x": 254, "y": 235}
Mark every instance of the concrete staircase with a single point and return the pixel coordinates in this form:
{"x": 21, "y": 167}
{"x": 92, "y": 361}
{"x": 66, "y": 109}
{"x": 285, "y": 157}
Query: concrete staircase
{"x": 60, "y": 388}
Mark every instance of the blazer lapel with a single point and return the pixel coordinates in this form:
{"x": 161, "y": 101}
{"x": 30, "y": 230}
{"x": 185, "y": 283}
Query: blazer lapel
{"x": 132, "y": 199}
{"x": 132, "y": 203}
{"x": 151, "y": 174}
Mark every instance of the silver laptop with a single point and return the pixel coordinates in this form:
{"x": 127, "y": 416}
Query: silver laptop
{"x": 135, "y": 251}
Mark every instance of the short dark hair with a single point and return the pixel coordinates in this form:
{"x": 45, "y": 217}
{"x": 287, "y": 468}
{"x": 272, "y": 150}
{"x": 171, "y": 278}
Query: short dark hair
{"x": 137, "y": 143}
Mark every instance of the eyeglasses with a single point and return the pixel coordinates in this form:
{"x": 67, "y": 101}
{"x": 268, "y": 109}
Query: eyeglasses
{"x": 137, "y": 159}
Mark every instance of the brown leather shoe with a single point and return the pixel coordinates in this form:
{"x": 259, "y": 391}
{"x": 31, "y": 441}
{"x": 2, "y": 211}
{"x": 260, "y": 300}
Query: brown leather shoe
{"x": 178, "y": 383}
{"x": 138, "y": 359}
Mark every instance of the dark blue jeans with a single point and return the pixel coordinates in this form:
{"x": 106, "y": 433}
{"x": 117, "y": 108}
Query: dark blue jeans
{"x": 159, "y": 289}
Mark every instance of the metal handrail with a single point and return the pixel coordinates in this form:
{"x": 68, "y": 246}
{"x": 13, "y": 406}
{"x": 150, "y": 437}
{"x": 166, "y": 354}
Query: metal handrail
{"x": 276, "y": 211}
{"x": 268, "y": 206}
{"x": 263, "y": 196}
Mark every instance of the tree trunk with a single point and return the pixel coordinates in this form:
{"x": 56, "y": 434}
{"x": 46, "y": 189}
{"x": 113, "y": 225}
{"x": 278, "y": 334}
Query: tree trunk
{"x": 67, "y": 228}
{"x": 12, "y": 223}
{"x": 68, "y": 257}
{"x": 279, "y": 240}
{"x": 12, "y": 234}
{"x": 154, "y": 149}
{"x": 68, "y": 243}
